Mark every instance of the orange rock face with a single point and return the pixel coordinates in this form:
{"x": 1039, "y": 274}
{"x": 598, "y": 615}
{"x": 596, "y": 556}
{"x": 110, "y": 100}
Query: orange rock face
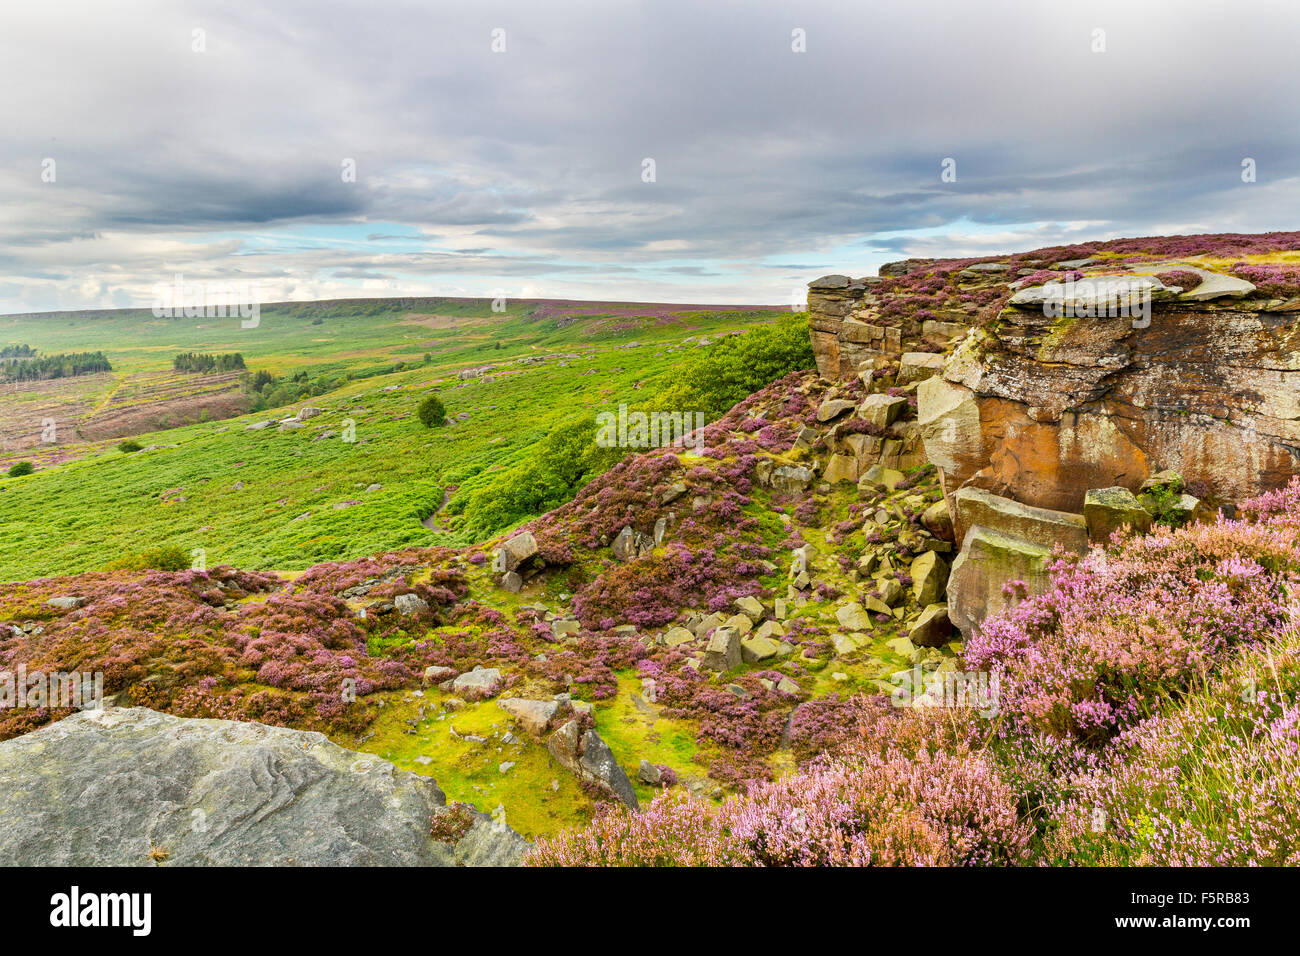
{"x": 1065, "y": 405}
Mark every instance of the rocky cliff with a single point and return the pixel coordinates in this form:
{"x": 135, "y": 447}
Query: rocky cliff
{"x": 1066, "y": 386}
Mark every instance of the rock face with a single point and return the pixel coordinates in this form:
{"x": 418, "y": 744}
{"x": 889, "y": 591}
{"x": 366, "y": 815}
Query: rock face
{"x": 107, "y": 787}
{"x": 1041, "y": 409}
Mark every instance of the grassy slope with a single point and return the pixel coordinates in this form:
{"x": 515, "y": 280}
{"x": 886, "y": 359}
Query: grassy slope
{"x": 82, "y": 515}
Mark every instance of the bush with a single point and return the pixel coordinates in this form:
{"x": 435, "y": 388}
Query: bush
{"x": 431, "y": 412}
{"x": 20, "y": 468}
{"x": 129, "y": 446}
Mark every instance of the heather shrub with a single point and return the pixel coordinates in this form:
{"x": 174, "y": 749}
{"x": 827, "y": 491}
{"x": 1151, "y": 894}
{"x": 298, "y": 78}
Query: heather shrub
{"x": 1185, "y": 279}
{"x": 859, "y": 809}
{"x": 1208, "y": 783}
{"x": 166, "y": 558}
{"x": 1121, "y": 632}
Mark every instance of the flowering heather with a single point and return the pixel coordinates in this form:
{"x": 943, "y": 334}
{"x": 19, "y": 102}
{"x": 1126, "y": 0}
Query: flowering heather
{"x": 1210, "y": 783}
{"x": 855, "y": 810}
{"x": 1269, "y": 279}
{"x": 1185, "y": 279}
{"x": 1118, "y": 633}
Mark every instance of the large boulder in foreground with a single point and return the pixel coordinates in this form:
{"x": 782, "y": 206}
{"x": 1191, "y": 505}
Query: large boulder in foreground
{"x": 110, "y": 787}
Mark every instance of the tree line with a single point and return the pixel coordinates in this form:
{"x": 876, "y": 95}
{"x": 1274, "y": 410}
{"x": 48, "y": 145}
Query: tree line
{"x": 202, "y": 362}
{"x": 29, "y": 367}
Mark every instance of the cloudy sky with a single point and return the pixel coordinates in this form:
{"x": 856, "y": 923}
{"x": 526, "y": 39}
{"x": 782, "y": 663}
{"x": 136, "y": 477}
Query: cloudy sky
{"x": 212, "y": 140}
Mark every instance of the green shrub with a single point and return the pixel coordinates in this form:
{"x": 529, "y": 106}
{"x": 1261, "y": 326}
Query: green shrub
{"x": 20, "y": 468}
{"x": 129, "y": 446}
{"x": 167, "y": 558}
{"x": 431, "y": 412}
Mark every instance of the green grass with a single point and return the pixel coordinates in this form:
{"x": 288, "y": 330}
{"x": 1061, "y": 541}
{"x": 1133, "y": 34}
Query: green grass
{"x": 86, "y": 513}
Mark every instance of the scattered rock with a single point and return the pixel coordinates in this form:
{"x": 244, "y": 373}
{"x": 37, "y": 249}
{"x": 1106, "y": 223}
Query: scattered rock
{"x": 932, "y": 628}
{"x": 481, "y": 682}
{"x": 534, "y": 716}
{"x": 723, "y": 651}
{"x": 409, "y": 604}
{"x": 833, "y": 408}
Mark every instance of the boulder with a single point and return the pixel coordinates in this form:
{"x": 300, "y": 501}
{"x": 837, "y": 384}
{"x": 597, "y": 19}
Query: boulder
{"x": 882, "y": 410}
{"x": 841, "y": 468}
{"x": 891, "y": 592}
{"x": 739, "y": 623}
{"x": 675, "y": 636}
{"x": 585, "y": 755}
{"x": 937, "y": 520}
{"x": 755, "y": 649}
{"x": 409, "y": 604}
{"x": 649, "y": 773}
{"x": 66, "y": 603}
{"x": 723, "y": 650}
{"x": 1042, "y": 526}
{"x": 881, "y": 478}
{"x": 630, "y": 544}
{"x": 949, "y": 420}
{"x": 564, "y": 628}
{"x": 109, "y": 787}
{"x": 988, "y": 560}
{"x": 929, "y": 574}
{"x": 791, "y": 479}
{"x": 534, "y": 716}
{"x": 918, "y": 366}
{"x": 854, "y": 617}
{"x": 833, "y": 408}
{"x": 480, "y": 682}
{"x": 751, "y": 607}
{"x": 516, "y": 551}
{"x": 932, "y": 628}
{"x": 1106, "y": 510}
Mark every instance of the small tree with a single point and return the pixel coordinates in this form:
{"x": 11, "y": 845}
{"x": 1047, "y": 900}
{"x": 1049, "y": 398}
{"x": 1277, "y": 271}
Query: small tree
{"x": 129, "y": 446}
{"x": 431, "y": 412}
{"x": 20, "y": 468}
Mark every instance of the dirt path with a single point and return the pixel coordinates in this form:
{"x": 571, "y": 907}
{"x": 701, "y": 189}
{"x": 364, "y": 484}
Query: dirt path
{"x": 431, "y": 522}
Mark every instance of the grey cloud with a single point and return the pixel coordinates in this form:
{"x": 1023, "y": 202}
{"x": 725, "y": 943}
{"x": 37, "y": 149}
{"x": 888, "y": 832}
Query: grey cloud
{"x": 526, "y": 166}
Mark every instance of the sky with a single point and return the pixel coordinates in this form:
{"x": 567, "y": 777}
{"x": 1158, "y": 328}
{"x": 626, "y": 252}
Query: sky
{"x": 507, "y": 148}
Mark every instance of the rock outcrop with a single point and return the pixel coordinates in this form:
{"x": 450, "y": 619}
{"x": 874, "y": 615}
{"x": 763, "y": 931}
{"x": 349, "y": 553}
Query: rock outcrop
{"x": 130, "y": 786}
{"x": 1043, "y": 409}
{"x": 1068, "y": 394}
